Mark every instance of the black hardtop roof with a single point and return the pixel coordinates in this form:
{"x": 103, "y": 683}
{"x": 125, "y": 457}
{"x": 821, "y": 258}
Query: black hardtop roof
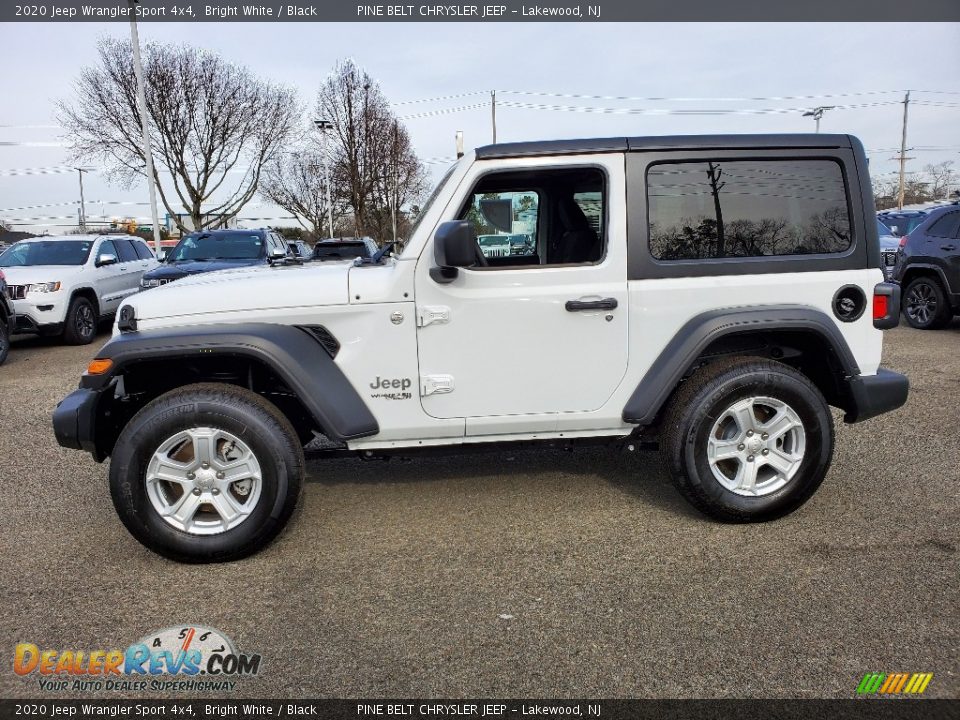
{"x": 664, "y": 142}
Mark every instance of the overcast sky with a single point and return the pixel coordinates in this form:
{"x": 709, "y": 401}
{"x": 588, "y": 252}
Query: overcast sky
{"x": 417, "y": 61}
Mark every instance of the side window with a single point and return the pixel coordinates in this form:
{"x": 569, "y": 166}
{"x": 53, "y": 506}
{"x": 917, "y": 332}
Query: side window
{"x": 126, "y": 250}
{"x": 548, "y": 217}
{"x": 107, "y": 248}
{"x": 946, "y": 227}
{"x": 143, "y": 252}
{"x": 506, "y": 222}
{"x": 747, "y": 208}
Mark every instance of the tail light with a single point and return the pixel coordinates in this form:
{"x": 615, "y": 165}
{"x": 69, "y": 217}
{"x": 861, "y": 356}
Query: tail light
{"x": 903, "y": 241}
{"x": 2, "y": 276}
{"x": 881, "y": 306}
{"x": 886, "y": 305}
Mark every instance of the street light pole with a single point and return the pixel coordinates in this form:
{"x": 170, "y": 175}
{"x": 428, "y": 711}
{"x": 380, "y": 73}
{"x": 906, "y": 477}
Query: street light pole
{"x": 817, "y": 113}
{"x": 145, "y": 123}
{"x": 323, "y": 126}
{"x": 83, "y": 208}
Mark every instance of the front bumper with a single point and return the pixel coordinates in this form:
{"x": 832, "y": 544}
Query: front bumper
{"x": 75, "y": 420}
{"x": 40, "y": 313}
{"x": 872, "y": 395}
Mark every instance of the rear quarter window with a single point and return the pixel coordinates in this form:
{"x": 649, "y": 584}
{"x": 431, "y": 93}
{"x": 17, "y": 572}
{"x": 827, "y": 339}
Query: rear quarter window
{"x": 732, "y": 208}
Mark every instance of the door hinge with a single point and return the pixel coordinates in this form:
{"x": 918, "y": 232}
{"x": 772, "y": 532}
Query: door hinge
{"x": 435, "y": 384}
{"x": 432, "y": 314}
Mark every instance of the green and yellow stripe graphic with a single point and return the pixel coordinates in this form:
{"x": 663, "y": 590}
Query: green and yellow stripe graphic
{"x": 894, "y": 683}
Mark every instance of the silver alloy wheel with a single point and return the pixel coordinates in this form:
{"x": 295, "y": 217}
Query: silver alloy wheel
{"x": 756, "y": 446}
{"x": 204, "y": 481}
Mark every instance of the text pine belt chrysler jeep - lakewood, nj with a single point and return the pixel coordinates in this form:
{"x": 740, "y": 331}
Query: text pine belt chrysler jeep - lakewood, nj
{"x": 711, "y": 294}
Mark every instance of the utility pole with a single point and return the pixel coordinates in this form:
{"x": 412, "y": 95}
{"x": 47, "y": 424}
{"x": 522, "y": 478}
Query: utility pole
{"x": 459, "y": 140}
{"x": 493, "y": 114}
{"x": 83, "y": 209}
{"x": 903, "y": 151}
{"x": 145, "y": 123}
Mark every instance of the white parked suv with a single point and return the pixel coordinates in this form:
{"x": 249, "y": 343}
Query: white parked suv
{"x": 712, "y": 295}
{"x": 66, "y": 285}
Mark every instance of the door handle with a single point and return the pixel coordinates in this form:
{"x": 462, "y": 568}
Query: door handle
{"x": 586, "y": 305}
{"x": 948, "y": 247}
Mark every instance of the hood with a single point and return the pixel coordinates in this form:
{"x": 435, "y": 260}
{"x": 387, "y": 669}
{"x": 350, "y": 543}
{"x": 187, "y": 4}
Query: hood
{"x": 190, "y": 267}
{"x": 40, "y": 273}
{"x": 259, "y": 288}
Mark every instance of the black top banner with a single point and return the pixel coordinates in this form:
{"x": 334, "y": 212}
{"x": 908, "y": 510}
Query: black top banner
{"x": 502, "y": 11}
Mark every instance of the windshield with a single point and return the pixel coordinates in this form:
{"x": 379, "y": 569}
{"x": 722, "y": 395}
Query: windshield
{"x": 882, "y": 229}
{"x": 46, "y": 252}
{"x": 338, "y": 251}
{"x": 901, "y": 225}
{"x": 222, "y": 246}
{"x": 429, "y": 204}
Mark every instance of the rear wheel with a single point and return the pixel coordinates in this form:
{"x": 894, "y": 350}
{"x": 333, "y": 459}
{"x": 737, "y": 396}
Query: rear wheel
{"x": 748, "y": 439}
{"x": 80, "y": 327}
{"x": 925, "y": 304}
{"x": 207, "y": 473}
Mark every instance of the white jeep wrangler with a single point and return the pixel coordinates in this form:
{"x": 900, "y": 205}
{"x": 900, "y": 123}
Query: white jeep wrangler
{"x": 711, "y": 294}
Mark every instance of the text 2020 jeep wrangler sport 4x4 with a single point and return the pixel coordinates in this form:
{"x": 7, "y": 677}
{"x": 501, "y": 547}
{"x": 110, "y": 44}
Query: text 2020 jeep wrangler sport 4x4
{"x": 713, "y": 293}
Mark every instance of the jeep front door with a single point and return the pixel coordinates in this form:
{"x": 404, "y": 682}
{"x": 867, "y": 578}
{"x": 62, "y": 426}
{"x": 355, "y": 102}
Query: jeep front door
{"x": 539, "y": 327}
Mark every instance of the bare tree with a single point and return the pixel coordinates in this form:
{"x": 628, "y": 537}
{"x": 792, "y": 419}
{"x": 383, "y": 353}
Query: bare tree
{"x": 401, "y": 181}
{"x": 942, "y": 177}
{"x": 296, "y": 181}
{"x": 213, "y": 124}
{"x": 373, "y": 166}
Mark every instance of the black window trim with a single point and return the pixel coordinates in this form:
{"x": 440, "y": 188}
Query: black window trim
{"x": 118, "y": 242}
{"x": 643, "y": 266}
{"x": 605, "y": 224}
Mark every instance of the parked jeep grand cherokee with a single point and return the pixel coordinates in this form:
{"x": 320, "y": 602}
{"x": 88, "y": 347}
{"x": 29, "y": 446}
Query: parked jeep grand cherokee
{"x": 66, "y": 285}
{"x": 708, "y": 302}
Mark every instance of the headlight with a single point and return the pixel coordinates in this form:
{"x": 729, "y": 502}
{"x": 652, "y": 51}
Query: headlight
{"x": 147, "y": 284}
{"x": 47, "y": 287}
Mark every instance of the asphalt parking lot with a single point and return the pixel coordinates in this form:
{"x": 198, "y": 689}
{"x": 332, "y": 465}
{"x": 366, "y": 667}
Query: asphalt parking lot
{"x": 529, "y": 574}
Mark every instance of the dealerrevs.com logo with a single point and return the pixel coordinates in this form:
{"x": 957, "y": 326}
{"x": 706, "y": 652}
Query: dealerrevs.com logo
{"x": 181, "y": 658}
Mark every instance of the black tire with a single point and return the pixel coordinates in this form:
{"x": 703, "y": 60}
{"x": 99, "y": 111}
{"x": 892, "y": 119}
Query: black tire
{"x": 925, "y": 304}
{"x": 80, "y": 326}
{"x": 4, "y": 339}
{"x": 244, "y": 414}
{"x": 704, "y": 397}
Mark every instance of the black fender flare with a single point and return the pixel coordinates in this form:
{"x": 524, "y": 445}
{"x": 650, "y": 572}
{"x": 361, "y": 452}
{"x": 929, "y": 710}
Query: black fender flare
{"x": 937, "y": 270}
{"x": 293, "y": 353}
{"x": 696, "y": 334}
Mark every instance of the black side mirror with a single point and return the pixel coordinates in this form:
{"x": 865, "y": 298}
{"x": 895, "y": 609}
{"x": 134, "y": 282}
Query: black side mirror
{"x": 454, "y": 246}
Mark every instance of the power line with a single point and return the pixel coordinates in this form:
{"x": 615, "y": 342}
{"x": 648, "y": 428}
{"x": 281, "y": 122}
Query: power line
{"x": 439, "y": 98}
{"x": 655, "y": 98}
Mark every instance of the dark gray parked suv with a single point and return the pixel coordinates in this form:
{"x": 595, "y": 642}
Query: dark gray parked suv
{"x": 928, "y": 269}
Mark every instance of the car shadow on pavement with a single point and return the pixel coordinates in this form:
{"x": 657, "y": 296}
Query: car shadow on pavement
{"x": 638, "y": 474}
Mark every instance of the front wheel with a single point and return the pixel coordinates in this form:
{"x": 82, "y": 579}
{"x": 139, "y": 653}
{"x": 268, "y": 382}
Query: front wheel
{"x": 748, "y": 439}
{"x": 4, "y": 339}
{"x": 207, "y": 473}
{"x": 81, "y": 322}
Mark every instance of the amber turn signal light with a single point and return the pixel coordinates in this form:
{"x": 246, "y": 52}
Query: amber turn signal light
{"x": 99, "y": 367}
